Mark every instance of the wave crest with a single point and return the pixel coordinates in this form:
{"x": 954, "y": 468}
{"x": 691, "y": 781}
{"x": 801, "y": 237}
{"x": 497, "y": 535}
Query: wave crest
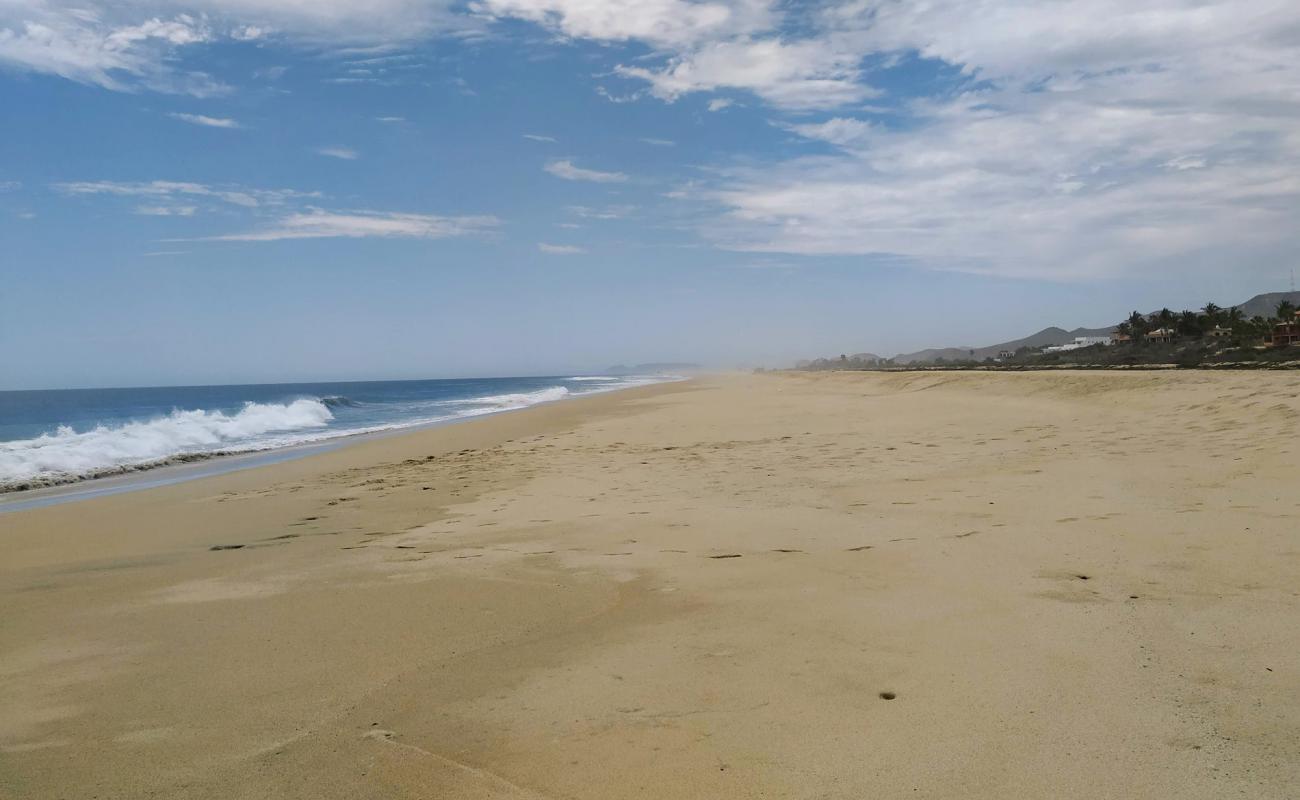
{"x": 68, "y": 455}
{"x": 523, "y": 399}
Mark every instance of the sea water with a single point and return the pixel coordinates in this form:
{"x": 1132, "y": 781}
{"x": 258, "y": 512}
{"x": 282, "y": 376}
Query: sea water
{"x": 60, "y": 436}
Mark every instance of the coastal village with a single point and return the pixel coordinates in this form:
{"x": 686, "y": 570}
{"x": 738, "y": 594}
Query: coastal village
{"x": 1210, "y": 336}
{"x": 1282, "y": 330}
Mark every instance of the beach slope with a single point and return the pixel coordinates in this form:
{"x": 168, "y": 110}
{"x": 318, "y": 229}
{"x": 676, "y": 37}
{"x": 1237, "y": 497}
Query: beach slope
{"x": 922, "y": 585}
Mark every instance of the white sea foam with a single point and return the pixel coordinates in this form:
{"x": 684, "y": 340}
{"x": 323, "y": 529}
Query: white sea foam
{"x": 67, "y": 454}
{"x": 592, "y": 378}
{"x": 490, "y": 404}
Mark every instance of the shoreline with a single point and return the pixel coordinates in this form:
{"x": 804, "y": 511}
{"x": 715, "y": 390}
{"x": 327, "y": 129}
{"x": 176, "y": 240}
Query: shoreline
{"x": 792, "y": 585}
{"x": 193, "y": 466}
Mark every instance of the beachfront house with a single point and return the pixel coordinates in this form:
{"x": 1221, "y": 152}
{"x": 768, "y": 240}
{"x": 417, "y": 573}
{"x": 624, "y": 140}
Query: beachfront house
{"x": 1285, "y": 332}
{"x": 1079, "y": 343}
{"x": 1161, "y": 336}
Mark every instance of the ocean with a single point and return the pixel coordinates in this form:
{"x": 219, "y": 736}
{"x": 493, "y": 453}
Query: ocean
{"x": 52, "y": 437}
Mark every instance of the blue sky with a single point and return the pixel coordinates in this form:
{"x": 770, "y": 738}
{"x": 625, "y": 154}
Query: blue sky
{"x": 228, "y": 190}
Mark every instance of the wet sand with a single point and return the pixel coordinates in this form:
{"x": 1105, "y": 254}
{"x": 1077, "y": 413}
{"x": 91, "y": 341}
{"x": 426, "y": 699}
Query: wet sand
{"x": 923, "y": 585}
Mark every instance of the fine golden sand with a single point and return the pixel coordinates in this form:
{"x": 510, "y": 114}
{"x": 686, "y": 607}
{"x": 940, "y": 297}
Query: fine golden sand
{"x": 915, "y": 585}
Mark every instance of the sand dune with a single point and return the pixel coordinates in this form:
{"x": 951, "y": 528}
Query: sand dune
{"x": 923, "y": 585}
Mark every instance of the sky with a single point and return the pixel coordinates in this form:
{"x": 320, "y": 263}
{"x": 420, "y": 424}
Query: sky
{"x": 218, "y": 191}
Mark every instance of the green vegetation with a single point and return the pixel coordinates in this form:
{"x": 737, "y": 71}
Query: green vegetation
{"x": 1210, "y": 337}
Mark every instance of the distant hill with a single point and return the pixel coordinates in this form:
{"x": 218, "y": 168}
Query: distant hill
{"x": 1044, "y": 338}
{"x": 1263, "y": 305}
{"x": 1260, "y": 305}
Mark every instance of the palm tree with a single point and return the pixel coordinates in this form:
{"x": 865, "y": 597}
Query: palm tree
{"x": 1211, "y": 314}
{"x": 1235, "y": 317}
{"x": 1137, "y": 326}
{"x": 1165, "y": 318}
{"x": 1286, "y": 310}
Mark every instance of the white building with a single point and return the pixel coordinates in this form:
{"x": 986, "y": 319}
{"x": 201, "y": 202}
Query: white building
{"x": 1079, "y": 343}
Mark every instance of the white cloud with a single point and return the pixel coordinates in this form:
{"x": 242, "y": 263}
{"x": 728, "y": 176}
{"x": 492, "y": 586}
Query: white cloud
{"x": 707, "y": 46}
{"x": 1068, "y": 138}
{"x": 805, "y": 74}
{"x": 659, "y": 22}
{"x": 608, "y": 212}
{"x": 10, "y": 186}
{"x": 130, "y": 46}
{"x": 200, "y": 119}
{"x": 82, "y": 45}
{"x": 539, "y": 138}
{"x": 26, "y": 215}
{"x": 1185, "y": 162}
{"x": 659, "y": 142}
{"x": 560, "y": 249}
{"x": 166, "y": 211}
{"x": 376, "y": 23}
{"x": 1104, "y": 138}
{"x": 390, "y": 119}
{"x": 172, "y": 190}
{"x": 619, "y": 99}
{"x": 345, "y": 153}
{"x": 567, "y": 170}
{"x": 317, "y": 223}
{"x": 839, "y": 131}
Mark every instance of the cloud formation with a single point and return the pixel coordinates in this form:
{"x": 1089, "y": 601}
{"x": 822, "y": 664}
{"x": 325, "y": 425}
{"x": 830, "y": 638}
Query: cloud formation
{"x": 132, "y": 46}
{"x": 1093, "y": 139}
{"x": 166, "y": 211}
{"x": 663, "y": 23}
{"x": 560, "y": 249}
{"x": 170, "y": 190}
{"x": 206, "y": 121}
{"x": 1065, "y": 139}
{"x": 317, "y": 223}
{"x": 793, "y": 75}
{"x": 80, "y": 45}
{"x": 567, "y": 170}
{"x": 344, "y": 153}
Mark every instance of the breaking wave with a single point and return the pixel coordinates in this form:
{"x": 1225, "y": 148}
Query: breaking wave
{"x": 67, "y": 454}
{"x": 491, "y": 404}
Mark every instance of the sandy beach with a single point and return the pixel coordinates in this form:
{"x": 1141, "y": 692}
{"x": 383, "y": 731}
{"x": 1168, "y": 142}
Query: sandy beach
{"x": 922, "y": 585}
